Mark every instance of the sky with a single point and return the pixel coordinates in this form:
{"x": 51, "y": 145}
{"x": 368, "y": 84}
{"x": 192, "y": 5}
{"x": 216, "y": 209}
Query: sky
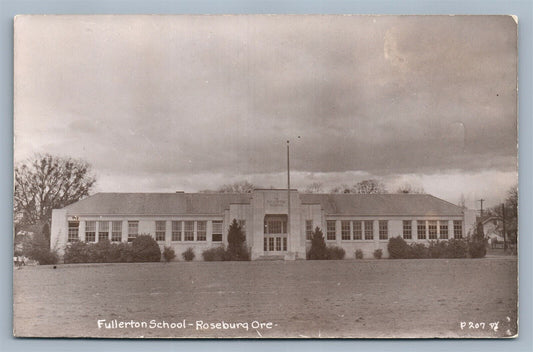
{"x": 167, "y": 103}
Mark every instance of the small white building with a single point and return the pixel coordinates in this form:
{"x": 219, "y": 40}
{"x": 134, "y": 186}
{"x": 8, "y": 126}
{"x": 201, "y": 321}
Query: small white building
{"x": 201, "y": 220}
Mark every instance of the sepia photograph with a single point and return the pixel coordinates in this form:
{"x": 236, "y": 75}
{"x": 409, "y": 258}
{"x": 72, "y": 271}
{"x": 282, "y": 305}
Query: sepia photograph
{"x": 265, "y": 176}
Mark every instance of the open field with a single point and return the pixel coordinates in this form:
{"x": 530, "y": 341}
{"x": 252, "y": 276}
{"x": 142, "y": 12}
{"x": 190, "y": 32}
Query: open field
{"x": 368, "y": 298}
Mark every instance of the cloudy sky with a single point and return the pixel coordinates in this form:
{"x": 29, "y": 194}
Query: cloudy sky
{"x": 165, "y": 103}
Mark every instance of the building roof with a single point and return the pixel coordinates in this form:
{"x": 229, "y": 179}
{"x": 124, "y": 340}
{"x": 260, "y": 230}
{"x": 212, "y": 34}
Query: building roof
{"x": 216, "y": 203}
{"x": 383, "y": 204}
{"x": 157, "y": 203}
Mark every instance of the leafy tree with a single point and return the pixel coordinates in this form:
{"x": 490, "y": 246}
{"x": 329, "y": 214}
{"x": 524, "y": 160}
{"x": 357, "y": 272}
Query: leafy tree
{"x": 48, "y": 182}
{"x": 344, "y": 188}
{"x": 236, "y": 243}
{"x": 318, "y": 250}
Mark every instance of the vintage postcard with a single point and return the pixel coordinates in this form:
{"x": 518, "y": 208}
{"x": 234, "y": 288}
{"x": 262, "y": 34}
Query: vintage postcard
{"x": 254, "y": 176}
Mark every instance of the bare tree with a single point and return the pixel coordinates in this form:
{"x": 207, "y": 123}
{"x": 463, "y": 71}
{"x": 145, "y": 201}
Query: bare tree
{"x": 344, "y": 188}
{"x": 408, "y": 188}
{"x": 315, "y": 187}
{"x": 47, "y": 182}
{"x": 462, "y": 201}
{"x": 369, "y": 187}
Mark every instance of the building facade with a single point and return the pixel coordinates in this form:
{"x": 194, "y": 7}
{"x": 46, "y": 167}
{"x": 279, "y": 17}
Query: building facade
{"x": 201, "y": 220}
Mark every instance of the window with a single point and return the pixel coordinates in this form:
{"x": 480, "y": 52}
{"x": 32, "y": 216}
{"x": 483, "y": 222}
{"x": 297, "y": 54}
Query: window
{"x": 265, "y": 244}
{"x": 189, "y": 231}
{"x": 284, "y": 243}
{"x": 383, "y": 229}
{"x": 73, "y": 231}
{"x": 457, "y": 229}
{"x": 407, "y": 230}
{"x": 421, "y": 229}
{"x": 160, "y": 230}
{"x": 133, "y": 230}
{"x": 201, "y": 231}
{"x": 432, "y": 230}
{"x": 176, "y": 231}
{"x": 369, "y": 230}
{"x": 278, "y": 243}
{"x": 443, "y": 229}
{"x": 103, "y": 230}
{"x": 345, "y": 230}
{"x": 357, "y": 230}
{"x": 271, "y": 243}
{"x": 308, "y": 229}
{"x": 116, "y": 231}
{"x": 330, "y": 226}
{"x": 217, "y": 231}
{"x": 90, "y": 231}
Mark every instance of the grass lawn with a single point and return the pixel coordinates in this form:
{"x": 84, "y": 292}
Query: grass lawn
{"x": 367, "y": 298}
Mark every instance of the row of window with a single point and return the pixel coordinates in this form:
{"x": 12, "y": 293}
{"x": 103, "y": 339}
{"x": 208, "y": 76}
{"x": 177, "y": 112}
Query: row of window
{"x": 364, "y": 229}
{"x": 180, "y": 230}
{"x": 432, "y": 229}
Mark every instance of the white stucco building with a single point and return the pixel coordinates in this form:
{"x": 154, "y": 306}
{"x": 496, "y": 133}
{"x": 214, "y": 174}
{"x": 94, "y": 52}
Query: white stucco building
{"x": 201, "y": 220}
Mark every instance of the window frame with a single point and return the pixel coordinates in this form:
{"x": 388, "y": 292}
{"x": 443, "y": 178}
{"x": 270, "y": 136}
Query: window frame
{"x": 132, "y": 235}
{"x": 421, "y": 235}
{"x": 368, "y": 230}
{"x": 458, "y": 230}
{"x": 357, "y": 230}
{"x": 116, "y": 231}
{"x": 407, "y": 227}
{"x": 160, "y": 231}
{"x": 383, "y": 230}
{"x": 218, "y": 232}
{"x": 432, "y": 228}
{"x": 101, "y": 230}
{"x": 90, "y": 235}
{"x": 308, "y": 230}
{"x": 346, "y": 230}
{"x": 201, "y": 230}
{"x": 188, "y": 234}
{"x": 73, "y": 232}
{"x": 443, "y": 229}
{"x": 331, "y": 232}
{"x": 177, "y": 231}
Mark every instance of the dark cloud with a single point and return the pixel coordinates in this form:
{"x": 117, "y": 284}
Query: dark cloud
{"x": 183, "y": 96}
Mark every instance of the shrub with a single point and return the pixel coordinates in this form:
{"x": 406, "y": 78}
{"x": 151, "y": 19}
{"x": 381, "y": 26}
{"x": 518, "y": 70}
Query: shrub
{"x": 168, "y": 254}
{"x": 378, "y": 253}
{"x": 477, "y": 248}
{"x": 318, "y": 250}
{"x": 214, "y": 254}
{"x": 398, "y": 248}
{"x": 358, "y": 254}
{"x": 237, "y": 249}
{"x": 188, "y": 255}
{"x": 335, "y": 253}
{"x": 438, "y": 249}
{"x": 418, "y": 251}
{"x": 76, "y": 252}
{"x": 145, "y": 249}
{"x": 37, "y": 249}
{"x": 457, "y": 248}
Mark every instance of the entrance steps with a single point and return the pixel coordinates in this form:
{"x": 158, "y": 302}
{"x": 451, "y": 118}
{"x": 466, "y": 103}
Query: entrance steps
{"x": 271, "y": 257}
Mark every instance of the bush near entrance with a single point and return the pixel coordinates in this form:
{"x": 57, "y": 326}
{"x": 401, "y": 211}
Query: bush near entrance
{"x": 318, "y": 250}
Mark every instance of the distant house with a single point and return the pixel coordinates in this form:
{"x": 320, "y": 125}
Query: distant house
{"x": 201, "y": 220}
{"x": 493, "y": 229}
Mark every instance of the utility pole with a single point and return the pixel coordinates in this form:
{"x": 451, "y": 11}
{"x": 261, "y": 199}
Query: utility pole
{"x": 504, "y": 232}
{"x": 288, "y": 197}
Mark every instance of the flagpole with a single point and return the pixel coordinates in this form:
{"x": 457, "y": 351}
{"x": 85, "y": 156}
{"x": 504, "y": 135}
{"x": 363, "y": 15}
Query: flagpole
{"x": 288, "y": 197}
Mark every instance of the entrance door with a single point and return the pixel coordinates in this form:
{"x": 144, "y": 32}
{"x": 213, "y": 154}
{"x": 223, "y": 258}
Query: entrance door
{"x": 275, "y": 234}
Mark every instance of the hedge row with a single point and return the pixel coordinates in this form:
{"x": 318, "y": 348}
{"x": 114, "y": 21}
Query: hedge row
{"x": 220, "y": 254}
{"x": 142, "y": 249}
{"x": 453, "y": 248}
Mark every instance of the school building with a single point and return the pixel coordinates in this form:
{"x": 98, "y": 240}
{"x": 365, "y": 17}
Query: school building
{"x": 201, "y": 220}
